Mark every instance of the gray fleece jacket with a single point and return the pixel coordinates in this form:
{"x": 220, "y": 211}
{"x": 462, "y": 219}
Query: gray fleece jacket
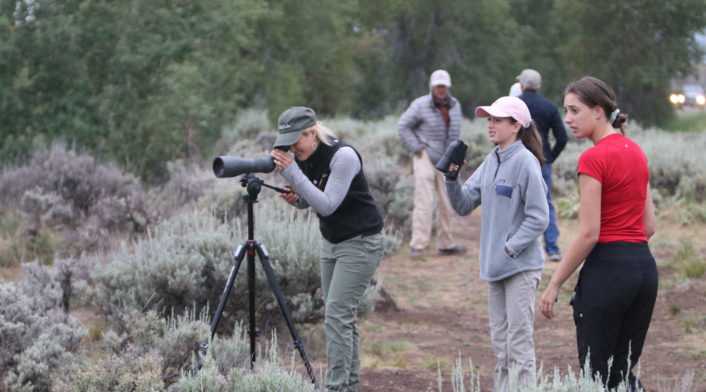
{"x": 423, "y": 126}
{"x": 515, "y": 212}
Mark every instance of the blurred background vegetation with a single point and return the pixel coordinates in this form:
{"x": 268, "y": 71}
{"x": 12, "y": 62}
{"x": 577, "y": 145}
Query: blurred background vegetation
{"x": 142, "y": 83}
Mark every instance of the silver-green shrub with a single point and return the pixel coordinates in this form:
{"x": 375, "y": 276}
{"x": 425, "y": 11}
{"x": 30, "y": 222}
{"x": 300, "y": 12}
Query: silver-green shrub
{"x": 687, "y": 260}
{"x": 182, "y": 339}
{"x": 374, "y": 140}
{"x": 268, "y": 376}
{"x": 187, "y": 259}
{"x": 147, "y": 353}
{"x": 37, "y": 337}
{"x": 233, "y": 351}
{"x": 208, "y": 379}
{"x": 171, "y": 268}
{"x": 126, "y": 372}
{"x": 249, "y": 125}
{"x": 62, "y": 191}
{"x": 675, "y": 161}
{"x": 187, "y": 184}
{"x": 393, "y": 193}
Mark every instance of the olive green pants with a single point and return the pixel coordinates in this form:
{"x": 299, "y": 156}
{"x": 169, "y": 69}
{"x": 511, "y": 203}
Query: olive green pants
{"x": 346, "y": 270}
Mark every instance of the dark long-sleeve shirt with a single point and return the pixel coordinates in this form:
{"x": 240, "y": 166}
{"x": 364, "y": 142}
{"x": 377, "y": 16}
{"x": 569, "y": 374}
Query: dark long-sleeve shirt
{"x": 546, "y": 115}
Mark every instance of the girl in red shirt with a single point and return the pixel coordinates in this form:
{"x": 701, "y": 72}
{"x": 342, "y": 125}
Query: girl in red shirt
{"x": 617, "y": 286}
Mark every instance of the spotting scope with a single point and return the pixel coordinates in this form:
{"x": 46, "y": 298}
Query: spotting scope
{"x": 226, "y": 166}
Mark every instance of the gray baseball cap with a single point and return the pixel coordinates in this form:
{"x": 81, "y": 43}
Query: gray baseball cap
{"x": 292, "y": 122}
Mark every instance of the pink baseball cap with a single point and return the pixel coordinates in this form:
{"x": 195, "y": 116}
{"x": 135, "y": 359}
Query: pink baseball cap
{"x": 507, "y": 107}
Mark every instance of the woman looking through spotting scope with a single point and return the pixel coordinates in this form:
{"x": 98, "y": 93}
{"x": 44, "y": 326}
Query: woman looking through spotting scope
{"x": 327, "y": 175}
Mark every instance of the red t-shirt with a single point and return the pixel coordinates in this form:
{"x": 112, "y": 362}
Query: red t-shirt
{"x": 620, "y": 166}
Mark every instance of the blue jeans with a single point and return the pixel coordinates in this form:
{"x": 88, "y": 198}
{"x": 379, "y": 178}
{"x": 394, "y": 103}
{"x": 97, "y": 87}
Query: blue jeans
{"x": 551, "y": 234}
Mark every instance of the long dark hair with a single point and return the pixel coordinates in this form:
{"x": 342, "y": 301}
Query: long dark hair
{"x": 595, "y": 92}
{"x": 531, "y": 139}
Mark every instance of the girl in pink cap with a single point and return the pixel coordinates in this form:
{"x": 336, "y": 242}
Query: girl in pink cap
{"x": 515, "y": 213}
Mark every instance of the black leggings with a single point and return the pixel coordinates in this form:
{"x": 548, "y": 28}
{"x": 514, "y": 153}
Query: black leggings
{"x": 615, "y": 296}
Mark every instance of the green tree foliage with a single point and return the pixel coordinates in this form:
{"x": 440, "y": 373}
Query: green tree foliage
{"x": 636, "y": 46}
{"x": 146, "y": 82}
{"x": 475, "y": 41}
{"x": 539, "y": 33}
{"x": 181, "y": 67}
{"x": 43, "y": 76}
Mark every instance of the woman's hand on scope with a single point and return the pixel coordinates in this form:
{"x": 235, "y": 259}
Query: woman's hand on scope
{"x": 282, "y": 159}
{"x": 289, "y": 197}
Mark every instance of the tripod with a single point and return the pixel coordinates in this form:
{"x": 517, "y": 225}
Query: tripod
{"x": 251, "y": 247}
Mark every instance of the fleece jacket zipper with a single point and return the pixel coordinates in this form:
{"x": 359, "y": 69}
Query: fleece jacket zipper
{"x": 497, "y": 155}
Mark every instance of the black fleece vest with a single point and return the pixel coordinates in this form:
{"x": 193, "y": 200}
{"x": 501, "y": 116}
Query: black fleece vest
{"x": 358, "y": 214}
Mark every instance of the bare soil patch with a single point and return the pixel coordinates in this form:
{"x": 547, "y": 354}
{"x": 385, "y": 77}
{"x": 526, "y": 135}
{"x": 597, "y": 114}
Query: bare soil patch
{"x": 443, "y": 314}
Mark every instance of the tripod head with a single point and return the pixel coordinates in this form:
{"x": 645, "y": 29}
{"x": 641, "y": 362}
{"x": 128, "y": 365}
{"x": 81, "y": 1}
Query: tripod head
{"x": 254, "y": 185}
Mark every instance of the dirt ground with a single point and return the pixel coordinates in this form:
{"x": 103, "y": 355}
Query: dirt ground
{"x": 442, "y": 316}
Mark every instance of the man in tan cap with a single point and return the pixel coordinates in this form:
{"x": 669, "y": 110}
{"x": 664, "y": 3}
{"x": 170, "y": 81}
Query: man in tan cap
{"x": 427, "y": 128}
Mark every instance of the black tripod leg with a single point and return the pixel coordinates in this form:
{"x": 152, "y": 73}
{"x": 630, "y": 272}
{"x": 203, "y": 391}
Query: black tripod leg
{"x": 265, "y": 261}
{"x": 239, "y": 254}
{"x": 253, "y": 332}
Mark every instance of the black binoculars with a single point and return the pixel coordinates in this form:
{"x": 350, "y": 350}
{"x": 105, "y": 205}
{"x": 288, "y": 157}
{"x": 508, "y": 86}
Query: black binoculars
{"x": 455, "y": 153}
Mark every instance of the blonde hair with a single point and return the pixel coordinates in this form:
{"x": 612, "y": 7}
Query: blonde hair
{"x": 324, "y": 134}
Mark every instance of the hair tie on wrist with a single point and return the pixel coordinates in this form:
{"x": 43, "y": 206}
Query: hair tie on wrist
{"x": 614, "y": 115}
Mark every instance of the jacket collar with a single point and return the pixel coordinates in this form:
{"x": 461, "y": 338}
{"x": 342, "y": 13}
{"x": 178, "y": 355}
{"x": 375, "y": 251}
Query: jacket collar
{"x": 451, "y": 99}
{"x": 506, "y": 153}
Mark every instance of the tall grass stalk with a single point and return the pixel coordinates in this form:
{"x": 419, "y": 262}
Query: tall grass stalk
{"x": 556, "y": 383}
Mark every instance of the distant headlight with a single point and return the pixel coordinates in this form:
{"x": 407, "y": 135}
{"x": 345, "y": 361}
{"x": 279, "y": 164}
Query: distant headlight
{"x": 677, "y": 99}
{"x": 700, "y": 100}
